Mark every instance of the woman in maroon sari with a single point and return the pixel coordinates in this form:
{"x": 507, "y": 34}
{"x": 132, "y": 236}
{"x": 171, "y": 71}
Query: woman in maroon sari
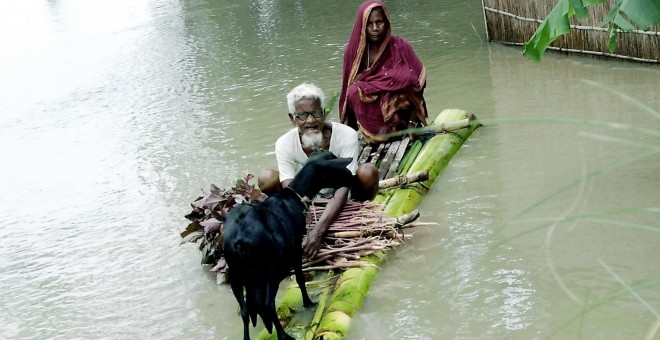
{"x": 383, "y": 79}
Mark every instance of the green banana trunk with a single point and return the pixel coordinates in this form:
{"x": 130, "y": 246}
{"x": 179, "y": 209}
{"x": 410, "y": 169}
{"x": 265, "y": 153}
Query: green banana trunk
{"x": 434, "y": 157}
{"x": 347, "y": 297}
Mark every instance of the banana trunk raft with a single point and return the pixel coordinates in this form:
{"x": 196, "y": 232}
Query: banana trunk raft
{"x": 340, "y": 292}
{"x": 357, "y": 242}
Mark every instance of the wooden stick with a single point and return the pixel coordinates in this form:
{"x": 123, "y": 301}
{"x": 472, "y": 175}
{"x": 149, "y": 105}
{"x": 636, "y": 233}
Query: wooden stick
{"x": 348, "y": 264}
{"x": 442, "y": 128}
{"x": 397, "y": 158}
{"x": 345, "y": 249}
{"x": 407, "y": 218}
{"x": 346, "y": 234}
{"x": 414, "y": 177}
{"x": 376, "y": 155}
{"x": 364, "y": 156}
{"x": 389, "y": 157}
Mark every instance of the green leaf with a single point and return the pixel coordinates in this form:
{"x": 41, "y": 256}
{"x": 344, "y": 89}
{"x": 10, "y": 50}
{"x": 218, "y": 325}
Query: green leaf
{"x": 625, "y": 14}
{"x": 623, "y": 24}
{"x": 555, "y": 24}
{"x": 330, "y": 103}
{"x": 579, "y": 9}
{"x": 643, "y": 13}
{"x": 611, "y": 42}
{"x": 612, "y": 14}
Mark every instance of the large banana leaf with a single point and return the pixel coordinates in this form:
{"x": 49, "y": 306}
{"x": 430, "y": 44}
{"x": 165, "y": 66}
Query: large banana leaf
{"x": 626, "y": 15}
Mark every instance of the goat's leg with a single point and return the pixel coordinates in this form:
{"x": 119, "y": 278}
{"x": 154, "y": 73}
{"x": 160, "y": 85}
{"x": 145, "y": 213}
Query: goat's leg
{"x": 271, "y": 291}
{"x": 300, "y": 279}
{"x": 281, "y": 334}
{"x": 237, "y": 289}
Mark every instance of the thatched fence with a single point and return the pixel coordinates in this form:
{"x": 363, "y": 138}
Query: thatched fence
{"x": 513, "y": 22}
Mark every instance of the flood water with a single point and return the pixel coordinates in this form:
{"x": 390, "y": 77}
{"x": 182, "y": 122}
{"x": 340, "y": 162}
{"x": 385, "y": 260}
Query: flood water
{"x": 117, "y": 114}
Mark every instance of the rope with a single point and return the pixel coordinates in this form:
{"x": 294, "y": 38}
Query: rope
{"x": 304, "y": 200}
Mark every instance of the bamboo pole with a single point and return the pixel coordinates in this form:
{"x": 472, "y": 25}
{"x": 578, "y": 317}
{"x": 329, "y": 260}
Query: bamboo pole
{"x": 602, "y": 54}
{"x": 485, "y": 21}
{"x": 442, "y": 127}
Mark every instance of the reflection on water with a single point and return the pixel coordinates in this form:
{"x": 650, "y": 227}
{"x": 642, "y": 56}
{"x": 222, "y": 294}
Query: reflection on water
{"x": 117, "y": 115}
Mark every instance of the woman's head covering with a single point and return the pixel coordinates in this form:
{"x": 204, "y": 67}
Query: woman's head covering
{"x": 358, "y": 40}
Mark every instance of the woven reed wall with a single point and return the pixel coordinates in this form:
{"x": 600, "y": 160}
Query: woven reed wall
{"x": 514, "y": 21}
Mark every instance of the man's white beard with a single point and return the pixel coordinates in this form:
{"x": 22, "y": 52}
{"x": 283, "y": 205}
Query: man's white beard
{"x": 314, "y": 139}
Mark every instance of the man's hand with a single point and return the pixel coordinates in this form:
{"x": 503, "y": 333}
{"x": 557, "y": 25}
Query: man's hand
{"x": 332, "y": 209}
{"x": 312, "y": 243}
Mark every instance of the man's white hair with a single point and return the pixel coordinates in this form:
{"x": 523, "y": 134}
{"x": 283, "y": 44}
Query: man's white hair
{"x": 304, "y": 91}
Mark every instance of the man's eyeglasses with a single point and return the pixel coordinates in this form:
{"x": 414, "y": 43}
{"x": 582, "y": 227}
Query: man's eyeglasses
{"x": 318, "y": 113}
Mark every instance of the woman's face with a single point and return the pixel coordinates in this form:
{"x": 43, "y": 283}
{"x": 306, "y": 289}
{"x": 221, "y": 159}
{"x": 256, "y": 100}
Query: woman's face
{"x": 376, "y": 25}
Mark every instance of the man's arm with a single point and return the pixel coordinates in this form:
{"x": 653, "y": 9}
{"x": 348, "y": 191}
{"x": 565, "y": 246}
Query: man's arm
{"x": 332, "y": 209}
{"x": 346, "y": 146}
{"x": 285, "y": 157}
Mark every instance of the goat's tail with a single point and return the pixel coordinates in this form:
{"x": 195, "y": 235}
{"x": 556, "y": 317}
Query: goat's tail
{"x": 242, "y": 254}
{"x": 255, "y": 289}
{"x": 256, "y": 300}
{"x": 251, "y": 302}
{"x": 265, "y": 310}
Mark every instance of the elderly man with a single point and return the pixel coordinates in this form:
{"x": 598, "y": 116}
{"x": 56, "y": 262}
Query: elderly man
{"x": 313, "y": 133}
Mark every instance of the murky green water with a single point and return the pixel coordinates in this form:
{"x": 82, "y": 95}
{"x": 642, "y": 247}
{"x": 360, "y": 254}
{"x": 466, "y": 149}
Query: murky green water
{"x": 115, "y": 115}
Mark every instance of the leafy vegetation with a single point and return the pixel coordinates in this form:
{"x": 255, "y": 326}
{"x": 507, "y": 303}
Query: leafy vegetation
{"x": 207, "y": 216}
{"x": 625, "y": 15}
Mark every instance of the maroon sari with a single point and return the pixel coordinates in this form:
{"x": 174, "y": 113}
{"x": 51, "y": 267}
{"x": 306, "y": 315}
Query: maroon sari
{"x": 388, "y": 95}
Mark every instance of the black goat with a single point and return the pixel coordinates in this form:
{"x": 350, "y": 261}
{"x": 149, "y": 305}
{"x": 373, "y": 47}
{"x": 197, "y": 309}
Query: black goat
{"x": 263, "y": 242}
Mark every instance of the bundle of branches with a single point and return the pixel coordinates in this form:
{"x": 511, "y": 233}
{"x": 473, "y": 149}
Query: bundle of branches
{"x": 360, "y": 230}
